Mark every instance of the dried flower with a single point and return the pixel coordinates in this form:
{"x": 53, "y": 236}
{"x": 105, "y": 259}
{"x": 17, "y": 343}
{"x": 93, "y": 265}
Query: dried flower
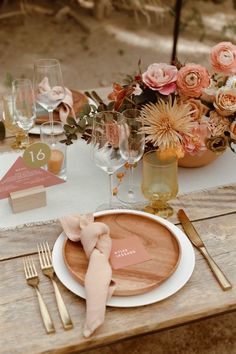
{"x": 165, "y": 123}
{"x": 217, "y": 124}
{"x": 217, "y": 144}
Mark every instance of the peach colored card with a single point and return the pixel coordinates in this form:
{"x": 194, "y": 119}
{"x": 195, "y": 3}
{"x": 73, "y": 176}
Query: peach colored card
{"x": 19, "y": 176}
{"x": 128, "y": 251}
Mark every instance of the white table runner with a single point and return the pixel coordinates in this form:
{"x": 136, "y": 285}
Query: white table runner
{"x": 87, "y": 185}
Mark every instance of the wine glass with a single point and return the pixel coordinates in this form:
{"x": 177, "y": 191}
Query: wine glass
{"x": 134, "y": 152}
{"x": 24, "y": 105}
{"x": 10, "y": 122}
{"x": 159, "y": 183}
{"x": 48, "y": 84}
{"x": 108, "y": 135}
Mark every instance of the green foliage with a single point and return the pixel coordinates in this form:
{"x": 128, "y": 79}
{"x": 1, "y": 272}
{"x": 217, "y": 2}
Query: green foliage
{"x": 81, "y": 125}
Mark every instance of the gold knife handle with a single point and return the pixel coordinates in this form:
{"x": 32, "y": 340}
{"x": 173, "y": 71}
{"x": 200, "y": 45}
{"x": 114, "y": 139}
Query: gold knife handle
{"x": 65, "y": 317}
{"x": 223, "y": 281}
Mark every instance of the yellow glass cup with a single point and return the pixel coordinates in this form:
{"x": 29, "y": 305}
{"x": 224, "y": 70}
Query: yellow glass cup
{"x": 159, "y": 183}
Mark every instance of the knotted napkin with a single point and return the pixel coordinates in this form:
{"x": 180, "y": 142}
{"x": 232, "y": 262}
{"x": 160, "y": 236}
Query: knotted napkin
{"x": 60, "y": 94}
{"x": 99, "y": 287}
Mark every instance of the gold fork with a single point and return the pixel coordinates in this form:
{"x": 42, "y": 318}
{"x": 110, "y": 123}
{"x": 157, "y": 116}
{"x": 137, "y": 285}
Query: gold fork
{"x": 45, "y": 259}
{"x": 33, "y": 280}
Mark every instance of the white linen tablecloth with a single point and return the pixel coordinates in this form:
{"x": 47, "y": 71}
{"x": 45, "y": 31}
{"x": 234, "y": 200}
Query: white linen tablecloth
{"x": 87, "y": 185}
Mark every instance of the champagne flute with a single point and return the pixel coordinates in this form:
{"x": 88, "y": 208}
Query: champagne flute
{"x": 48, "y": 84}
{"x": 136, "y": 145}
{"x": 108, "y": 134}
{"x": 10, "y": 122}
{"x": 24, "y": 105}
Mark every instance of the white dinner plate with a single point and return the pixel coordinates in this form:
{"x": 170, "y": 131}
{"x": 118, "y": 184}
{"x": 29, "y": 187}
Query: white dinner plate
{"x": 174, "y": 283}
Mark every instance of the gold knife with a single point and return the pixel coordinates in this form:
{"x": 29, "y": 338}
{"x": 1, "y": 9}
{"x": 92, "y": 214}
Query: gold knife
{"x": 198, "y": 243}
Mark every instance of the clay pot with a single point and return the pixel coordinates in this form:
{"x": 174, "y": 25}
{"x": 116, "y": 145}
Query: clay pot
{"x": 201, "y": 160}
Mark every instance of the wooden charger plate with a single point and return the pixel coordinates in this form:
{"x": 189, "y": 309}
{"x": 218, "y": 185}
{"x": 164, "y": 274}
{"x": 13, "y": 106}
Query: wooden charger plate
{"x": 79, "y": 99}
{"x": 160, "y": 243}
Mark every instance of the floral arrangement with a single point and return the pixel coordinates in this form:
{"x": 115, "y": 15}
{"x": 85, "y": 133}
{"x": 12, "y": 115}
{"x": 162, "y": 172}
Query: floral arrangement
{"x": 184, "y": 108}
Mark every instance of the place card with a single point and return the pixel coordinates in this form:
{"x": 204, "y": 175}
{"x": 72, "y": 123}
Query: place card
{"x": 128, "y": 251}
{"x": 20, "y": 177}
{"x": 28, "y": 199}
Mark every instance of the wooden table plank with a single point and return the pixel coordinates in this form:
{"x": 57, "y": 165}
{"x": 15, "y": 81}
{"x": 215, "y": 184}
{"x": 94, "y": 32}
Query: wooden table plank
{"x": 201, "y": 297}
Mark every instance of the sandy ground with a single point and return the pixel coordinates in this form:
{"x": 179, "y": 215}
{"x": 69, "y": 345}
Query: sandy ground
{"x": 110, "y": 51}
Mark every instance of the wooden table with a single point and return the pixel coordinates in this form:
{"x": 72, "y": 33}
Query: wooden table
{"x": 213, "y": 215}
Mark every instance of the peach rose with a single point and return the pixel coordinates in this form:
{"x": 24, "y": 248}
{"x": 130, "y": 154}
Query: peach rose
{"x": 195, "y": 143}
{"x": 223, "y": 58}
{"x": 233, "y": 130}
{"x": 161, "y": 77}
{"x": 225, "y": 102}
{"x": 192, "y": 79}
{"x": 197, "y": 108}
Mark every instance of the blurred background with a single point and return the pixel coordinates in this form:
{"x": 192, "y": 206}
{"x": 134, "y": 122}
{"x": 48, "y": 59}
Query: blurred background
{"x": 100, "y": 41}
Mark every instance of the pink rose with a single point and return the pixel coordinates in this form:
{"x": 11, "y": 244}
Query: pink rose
{"x": 192, "y": 79}
{"x": 223, "y": 58}
{"x": 161, "y": 77}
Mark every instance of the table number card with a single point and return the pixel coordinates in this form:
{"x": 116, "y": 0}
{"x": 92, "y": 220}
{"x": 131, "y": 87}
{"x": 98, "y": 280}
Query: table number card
{"x": 128, "y": 251}
{"x": 19, "y": 177}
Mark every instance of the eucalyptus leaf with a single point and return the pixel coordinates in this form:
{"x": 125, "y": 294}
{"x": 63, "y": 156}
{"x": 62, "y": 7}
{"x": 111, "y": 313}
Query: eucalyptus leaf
{"x": 71, "y": 121}
{"x": 86, "y": 109}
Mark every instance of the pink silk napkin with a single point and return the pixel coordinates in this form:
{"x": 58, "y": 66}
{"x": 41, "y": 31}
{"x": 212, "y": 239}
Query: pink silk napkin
{"x": 99, "y": 287}
{"x": 57, "y": 93}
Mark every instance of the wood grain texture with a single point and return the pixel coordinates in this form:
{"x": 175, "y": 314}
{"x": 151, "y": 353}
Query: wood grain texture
{"x": 160, "y": 243}
{"x": 21, "y": 327}
{"x": 20, "y": 323}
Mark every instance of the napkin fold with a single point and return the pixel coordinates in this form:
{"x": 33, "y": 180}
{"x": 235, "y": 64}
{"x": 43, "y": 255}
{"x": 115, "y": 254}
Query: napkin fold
{"x": 99, "y": 286}
{"x": 57, "y": 93}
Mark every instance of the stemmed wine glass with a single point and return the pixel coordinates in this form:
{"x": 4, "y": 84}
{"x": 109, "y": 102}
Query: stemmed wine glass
{"x": 134, "y": 152}
{"x": 24, "y": 105}
{"x": 108, "y": 135}
{"x": 10, "y": 122}
{"x": 48, "y": 84}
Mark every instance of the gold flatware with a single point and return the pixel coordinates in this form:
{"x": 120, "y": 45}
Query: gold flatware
{"x": 45, "y": 259}
{"x": 33, "y": 280}
{"x": 198, "y": 243}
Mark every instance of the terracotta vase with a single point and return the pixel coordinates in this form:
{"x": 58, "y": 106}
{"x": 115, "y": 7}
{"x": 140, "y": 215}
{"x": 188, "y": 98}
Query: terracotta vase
{"x": 201, "y": 160}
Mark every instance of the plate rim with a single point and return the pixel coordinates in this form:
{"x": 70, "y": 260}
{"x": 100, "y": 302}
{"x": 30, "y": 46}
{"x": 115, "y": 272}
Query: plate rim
{"x": 178, "y": 279}
{"x": 134, "y": 292}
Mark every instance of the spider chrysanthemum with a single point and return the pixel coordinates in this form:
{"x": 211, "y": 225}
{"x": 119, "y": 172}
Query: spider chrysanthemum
{"x": 165, "y": 123}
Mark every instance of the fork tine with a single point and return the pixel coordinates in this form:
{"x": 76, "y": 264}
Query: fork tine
{"x": 25, "y": 268}
{"x": 49, "y": 252}
{"x": 46, "y": 253}
{"x": 33, "y": 266}
{"x": 43, "y": 255}
{"x": 40, "y": 256}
